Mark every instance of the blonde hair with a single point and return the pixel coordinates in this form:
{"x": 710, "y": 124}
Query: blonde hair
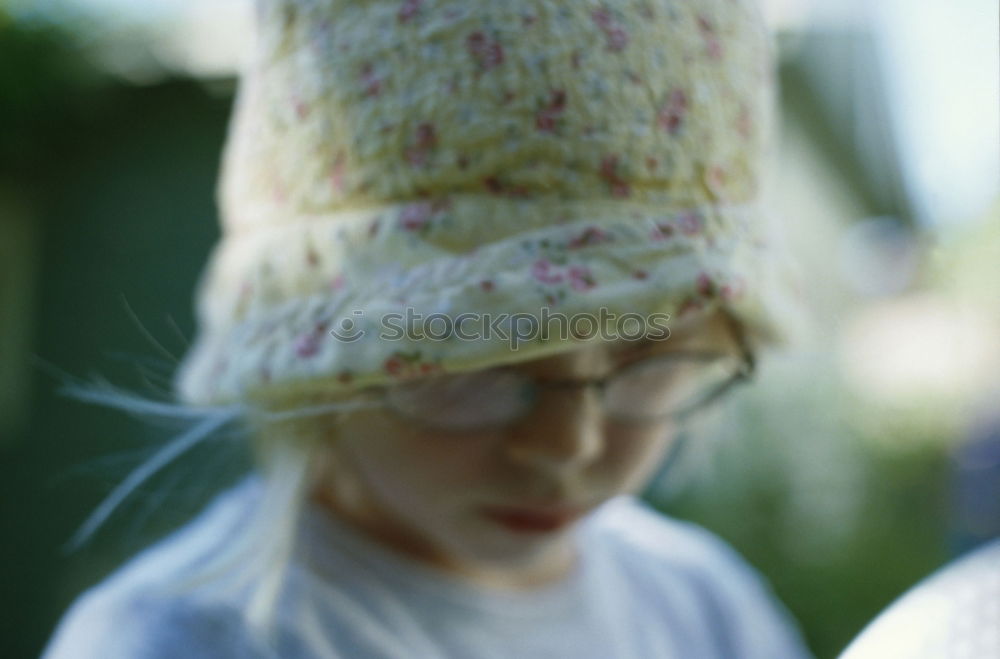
{"x": 285, "y": 438}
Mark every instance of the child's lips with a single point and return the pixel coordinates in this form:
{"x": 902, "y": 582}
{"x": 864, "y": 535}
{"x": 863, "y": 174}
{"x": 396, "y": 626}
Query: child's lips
{"x": 534, "y": 519}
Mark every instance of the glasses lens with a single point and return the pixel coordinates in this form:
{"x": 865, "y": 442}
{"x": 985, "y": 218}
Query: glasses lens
{"x": 464, "y": 401}
{"x": 662, "y": 386}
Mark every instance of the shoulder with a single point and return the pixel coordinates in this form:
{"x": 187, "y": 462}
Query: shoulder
{"x": 697, "y": 570}
{"x": 150, "y": 607}
{"x": 104, "y": 624}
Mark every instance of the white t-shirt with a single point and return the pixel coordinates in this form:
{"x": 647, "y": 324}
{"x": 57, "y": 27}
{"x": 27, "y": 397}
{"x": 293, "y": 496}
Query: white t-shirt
{"x": 645, "y": 587}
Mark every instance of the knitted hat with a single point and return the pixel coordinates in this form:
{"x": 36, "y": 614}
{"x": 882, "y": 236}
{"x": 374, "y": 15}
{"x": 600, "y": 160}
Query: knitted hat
{"x": 463, "y": 161}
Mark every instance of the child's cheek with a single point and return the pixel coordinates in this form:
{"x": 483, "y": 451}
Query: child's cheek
{"x": 453, "y": 459}
{"x": 633, "y": 454}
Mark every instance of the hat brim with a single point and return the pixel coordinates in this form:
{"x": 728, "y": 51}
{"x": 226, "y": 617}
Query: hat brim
{"x": 315, "y": 331}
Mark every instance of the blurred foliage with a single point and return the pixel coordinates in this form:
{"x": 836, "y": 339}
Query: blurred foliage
{"x": 49, "y": 91}
{"x": 968, "y": 265}
{"x": 117, "y": 180}
{"x": 840, "y": 503}
{"x": 898, "y": 540}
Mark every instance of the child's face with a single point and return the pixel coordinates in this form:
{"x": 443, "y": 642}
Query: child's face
{"x": 501, "y": 502}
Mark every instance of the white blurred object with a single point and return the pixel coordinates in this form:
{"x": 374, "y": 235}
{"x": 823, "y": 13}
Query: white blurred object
{"x": 209, "y": 38}
{"x": 879, "y": 256}
{"x": 954, "y": 614}
{"x": 142, "y": 40}
{"x": 943, "y": 75}
{"x": 919, "y": 348}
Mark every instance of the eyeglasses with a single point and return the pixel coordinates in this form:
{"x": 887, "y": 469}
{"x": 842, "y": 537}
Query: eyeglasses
{"x": 669, "y": 386}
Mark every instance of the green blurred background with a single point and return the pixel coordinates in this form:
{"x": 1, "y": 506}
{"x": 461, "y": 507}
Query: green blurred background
{"x": 865, "y": 458}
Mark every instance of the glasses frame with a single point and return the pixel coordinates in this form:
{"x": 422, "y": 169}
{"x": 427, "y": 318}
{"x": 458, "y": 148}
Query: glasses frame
{"x": 743, "y": 374}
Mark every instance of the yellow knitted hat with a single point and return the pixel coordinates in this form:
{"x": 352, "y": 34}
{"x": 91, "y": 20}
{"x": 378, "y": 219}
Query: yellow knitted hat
{"x": 464, "y": 160}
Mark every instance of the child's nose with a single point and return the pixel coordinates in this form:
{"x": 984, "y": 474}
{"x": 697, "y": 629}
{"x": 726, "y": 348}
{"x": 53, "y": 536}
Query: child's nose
{"x": 565, "y": 430}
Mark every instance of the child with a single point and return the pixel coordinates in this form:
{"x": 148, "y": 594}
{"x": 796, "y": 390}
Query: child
{"x": 481, "y": 261}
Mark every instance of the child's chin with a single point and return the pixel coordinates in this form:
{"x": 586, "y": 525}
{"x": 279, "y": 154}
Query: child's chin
{"x": 500, "y": 547}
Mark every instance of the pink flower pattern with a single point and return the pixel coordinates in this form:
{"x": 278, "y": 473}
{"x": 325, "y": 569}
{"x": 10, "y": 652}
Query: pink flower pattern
{"x": 487, "y": 52}
{"x": 713, "y": 47}
{"x": 302, "y": 109}
{"x": 662, "y": 231}
{"x": 715, "y": 179}
{"x": 417, "y": 215}
{"x": 672, "y": 112}
{"x": 615, "y": 36}
{"x": 372, "y": 84}
{"x": 704, "y": 285}
{"x": 401, "y": 364}
{"x": 590, "y": 236}
{"x": 544, "y": 271}
{"x": 308, "y": 344}
{"x": 691, "y": 223}
{"x": 547, "y": 118}
{"x": 744, "y": 122}
{"x": 408, "y": 10}
{"x": 609, "y": 172}
{"x": 580, "y": 278}
{"x": 339, "y": 170}
{"x": 426, "y": 140}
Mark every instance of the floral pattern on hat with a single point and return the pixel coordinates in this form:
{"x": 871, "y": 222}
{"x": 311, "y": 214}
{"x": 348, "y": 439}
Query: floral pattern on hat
{"x": 459, "y": 156}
